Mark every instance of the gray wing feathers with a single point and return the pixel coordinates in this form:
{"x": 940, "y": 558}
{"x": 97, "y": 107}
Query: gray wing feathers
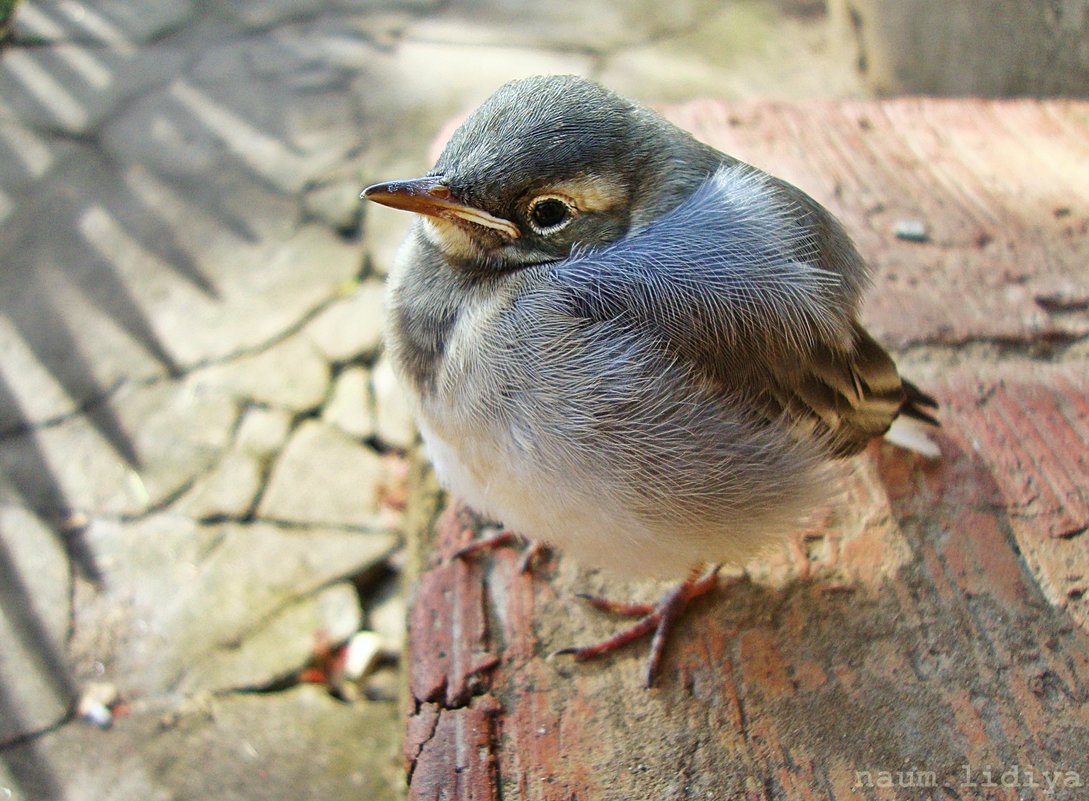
{"x": 726, "y": 274}
{"x": 731, "y": 281}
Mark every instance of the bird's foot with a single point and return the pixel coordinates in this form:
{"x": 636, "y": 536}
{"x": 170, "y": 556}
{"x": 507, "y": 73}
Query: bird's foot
{"x": 501, "y": 539}
{"x": 657, "y": 617}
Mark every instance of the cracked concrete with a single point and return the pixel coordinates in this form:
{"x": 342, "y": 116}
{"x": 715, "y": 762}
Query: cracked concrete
{"x": 202, "y": 447}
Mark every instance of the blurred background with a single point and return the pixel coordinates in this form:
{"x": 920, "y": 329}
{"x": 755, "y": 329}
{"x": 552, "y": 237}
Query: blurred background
{"x": 203, "y": 452}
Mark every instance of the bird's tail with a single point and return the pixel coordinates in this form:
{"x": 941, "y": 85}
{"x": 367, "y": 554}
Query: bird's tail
{"x": 911, "y": 430}
{"x": 916, "y": 403}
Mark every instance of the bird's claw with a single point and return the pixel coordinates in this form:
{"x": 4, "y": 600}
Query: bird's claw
{"x": 499, "y": 540}
{"x": 652, "y": 617}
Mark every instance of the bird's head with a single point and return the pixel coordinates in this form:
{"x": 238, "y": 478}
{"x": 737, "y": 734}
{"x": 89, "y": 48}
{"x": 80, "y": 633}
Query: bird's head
{"x": 544, "y": 165}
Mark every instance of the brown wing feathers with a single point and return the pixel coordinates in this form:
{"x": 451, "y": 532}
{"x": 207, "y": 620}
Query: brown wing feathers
{"x": 847, "y": 397}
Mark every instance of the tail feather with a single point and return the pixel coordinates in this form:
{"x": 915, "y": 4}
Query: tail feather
{"x": 912, "y": 434}
{"x": 912, "y": 428}
{"x": 916, "y": 403}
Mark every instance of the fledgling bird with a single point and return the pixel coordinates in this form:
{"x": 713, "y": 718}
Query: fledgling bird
{"x": 625, "y": 343}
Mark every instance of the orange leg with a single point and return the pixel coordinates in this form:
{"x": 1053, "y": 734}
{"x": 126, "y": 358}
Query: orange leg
{"x": 653, "y": 617}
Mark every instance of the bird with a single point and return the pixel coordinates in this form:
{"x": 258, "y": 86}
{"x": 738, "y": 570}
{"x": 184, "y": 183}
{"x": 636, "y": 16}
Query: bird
{"x": 627, "y": 344}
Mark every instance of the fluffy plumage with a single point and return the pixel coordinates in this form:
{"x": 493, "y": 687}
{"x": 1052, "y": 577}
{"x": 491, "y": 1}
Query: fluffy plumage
{"x": 659, "y": 379}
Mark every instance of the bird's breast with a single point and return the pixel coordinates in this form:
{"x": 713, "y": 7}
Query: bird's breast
{"x": 587, "y": 434}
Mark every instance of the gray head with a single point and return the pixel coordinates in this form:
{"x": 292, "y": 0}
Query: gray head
{"x": 547, "y": 164}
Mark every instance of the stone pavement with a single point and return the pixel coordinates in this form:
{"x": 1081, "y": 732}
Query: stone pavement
{"x": 202, "y": 450}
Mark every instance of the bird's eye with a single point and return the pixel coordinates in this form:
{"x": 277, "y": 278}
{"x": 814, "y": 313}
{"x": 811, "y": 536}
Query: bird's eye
{"x": 549, "y": 213}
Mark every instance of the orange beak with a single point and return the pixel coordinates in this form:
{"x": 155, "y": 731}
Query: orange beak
{"x": 432, "y": 197}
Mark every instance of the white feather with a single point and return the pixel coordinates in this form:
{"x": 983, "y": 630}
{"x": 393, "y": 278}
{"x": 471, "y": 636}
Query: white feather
{"x": 913, "y": 435}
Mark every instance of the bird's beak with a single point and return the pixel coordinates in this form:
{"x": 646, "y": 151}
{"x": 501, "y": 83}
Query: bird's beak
{"x": 432, "y": 197}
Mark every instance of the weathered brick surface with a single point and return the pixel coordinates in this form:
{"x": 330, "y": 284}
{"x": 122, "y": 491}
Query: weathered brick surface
{"x": 944, "y": 631}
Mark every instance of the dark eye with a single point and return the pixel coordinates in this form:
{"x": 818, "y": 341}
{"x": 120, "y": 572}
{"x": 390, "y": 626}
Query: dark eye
{"x": 549, "y": 212}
